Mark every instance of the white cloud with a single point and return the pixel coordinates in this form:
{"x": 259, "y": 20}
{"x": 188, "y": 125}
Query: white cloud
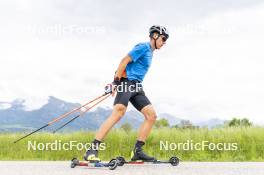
{"x": 212, "y": 64}
{"x": 4, "y": 106}
{"x": 216, "y": 70}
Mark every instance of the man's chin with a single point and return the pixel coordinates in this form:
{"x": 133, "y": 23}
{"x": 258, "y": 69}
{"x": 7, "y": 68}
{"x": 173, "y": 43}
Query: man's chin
{"x": 159, "y": 47}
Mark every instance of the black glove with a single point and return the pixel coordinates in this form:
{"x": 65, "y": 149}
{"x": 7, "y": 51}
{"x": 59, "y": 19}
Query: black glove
{"x": 116, "y": 81}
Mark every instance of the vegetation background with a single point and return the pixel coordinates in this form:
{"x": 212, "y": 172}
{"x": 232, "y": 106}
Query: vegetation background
{"x": 120, "y": 142}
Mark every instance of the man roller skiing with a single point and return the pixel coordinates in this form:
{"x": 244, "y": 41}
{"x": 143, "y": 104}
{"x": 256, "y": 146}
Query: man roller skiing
{"x": 131, "y": 72}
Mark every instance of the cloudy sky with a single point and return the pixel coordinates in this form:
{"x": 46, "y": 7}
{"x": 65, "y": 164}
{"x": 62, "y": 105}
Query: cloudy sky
{"x": 211, "y": 67}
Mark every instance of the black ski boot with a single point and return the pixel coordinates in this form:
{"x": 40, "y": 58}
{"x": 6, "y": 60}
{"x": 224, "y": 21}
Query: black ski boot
{"x": 91, "y": 154}
{"x": 138, "y": 154}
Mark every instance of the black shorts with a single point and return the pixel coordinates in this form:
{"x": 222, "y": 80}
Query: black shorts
{"x": 135, "y": 95}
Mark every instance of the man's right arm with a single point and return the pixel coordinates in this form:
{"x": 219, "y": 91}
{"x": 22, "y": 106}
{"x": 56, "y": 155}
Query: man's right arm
{"x": 122, "y": 66}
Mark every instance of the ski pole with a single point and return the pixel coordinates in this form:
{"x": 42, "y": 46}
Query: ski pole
{"x": 82, "y": 112}
{"x": 61, "y": 117}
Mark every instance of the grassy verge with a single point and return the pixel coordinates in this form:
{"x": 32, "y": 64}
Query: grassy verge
{"x": 250, "y": 144}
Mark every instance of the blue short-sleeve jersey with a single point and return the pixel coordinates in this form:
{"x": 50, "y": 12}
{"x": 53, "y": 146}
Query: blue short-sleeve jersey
{"x": 141, "y": 56}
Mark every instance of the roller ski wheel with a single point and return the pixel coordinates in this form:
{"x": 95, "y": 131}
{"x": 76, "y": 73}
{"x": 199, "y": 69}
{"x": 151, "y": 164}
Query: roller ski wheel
{"x": 113, "y": 164}
{"x": 121, "y": 161}
{"x": 74, "y": 162}
{"x": 174, "y": 161}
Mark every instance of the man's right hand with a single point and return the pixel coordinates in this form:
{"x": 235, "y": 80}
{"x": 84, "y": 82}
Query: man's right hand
{"x": 115, "y": 83}
{"x": 116, "y": 80}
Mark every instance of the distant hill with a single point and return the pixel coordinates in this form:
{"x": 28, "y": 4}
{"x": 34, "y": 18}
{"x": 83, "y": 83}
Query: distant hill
{"x": 171, "y": 119}
{"x": 14, "y": 117}
{"x": 211, "y": 123}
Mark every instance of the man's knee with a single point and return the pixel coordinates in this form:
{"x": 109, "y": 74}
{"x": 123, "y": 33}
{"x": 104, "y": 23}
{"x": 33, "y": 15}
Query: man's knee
{"x": 120, "y": 110}
{"x": 151, "y": 115}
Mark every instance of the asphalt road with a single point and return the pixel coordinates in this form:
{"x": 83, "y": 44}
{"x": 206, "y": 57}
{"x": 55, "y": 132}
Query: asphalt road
{"x": 184, "y": 168}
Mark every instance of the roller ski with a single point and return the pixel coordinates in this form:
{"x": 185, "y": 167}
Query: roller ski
{"x": 111, "y": 164}
{"x": 174, "y": 161}
{"x": 92, "y": 160}
{"x": 139, "y": 157}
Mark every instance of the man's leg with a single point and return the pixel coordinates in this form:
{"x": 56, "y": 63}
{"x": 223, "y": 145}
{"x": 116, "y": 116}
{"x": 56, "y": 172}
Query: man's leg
{"x": 144, "y": 130}
{"x": 150, "y": 118}
{"x": 118, "y": 111}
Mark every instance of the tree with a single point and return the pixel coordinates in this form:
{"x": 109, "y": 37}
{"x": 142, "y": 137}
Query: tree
{"x": 245, "y": 122}
{"x": 161, "y": 123}
{"x": 234, "y": 122}
{"x": 239, "y": 122}
{"x": 186, "y": 124}
{"x": 126, "y": 127}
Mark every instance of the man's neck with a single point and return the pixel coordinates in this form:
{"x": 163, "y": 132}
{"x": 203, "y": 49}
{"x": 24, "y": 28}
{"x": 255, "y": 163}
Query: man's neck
{"x": 152, "y": 44}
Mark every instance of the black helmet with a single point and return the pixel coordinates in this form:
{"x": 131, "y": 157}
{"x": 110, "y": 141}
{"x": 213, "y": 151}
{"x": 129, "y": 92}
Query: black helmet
{"x": 158, "y": 29}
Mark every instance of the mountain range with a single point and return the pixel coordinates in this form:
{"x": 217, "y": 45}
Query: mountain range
{"x": 14, "y": 117}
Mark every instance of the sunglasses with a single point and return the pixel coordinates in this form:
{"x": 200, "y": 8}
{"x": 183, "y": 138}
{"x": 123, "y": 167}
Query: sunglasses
{"x": 164, "y": 39}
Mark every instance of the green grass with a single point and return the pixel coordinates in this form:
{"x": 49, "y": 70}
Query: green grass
{"x": 250, "y": 144}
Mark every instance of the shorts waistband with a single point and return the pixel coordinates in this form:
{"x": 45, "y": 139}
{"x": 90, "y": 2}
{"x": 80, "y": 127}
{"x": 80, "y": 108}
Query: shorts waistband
{"x": 133, "y": 81}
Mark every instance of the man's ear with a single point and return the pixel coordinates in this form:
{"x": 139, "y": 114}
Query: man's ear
{"x": 155, "y": 36}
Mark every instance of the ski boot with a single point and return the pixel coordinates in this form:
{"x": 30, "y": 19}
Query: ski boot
{"x": 91, "y": 155}
{"x": 138, "y": 154}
